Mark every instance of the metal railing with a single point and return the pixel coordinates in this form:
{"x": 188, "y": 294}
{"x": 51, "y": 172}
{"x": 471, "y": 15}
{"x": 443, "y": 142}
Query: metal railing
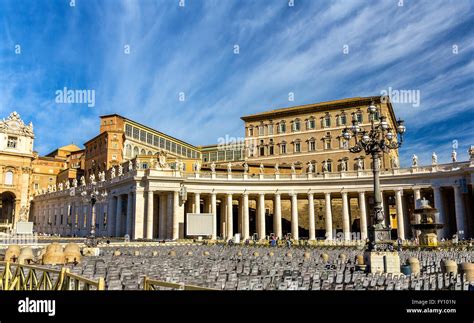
{"x": 152, "y": 284}
{"x": 28, "y": 277}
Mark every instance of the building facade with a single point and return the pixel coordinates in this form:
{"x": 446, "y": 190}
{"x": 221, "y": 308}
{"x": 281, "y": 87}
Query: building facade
{"x": 16, "y": 155}
{"x": 313, "y": 133}
{"x": 150, "y": 203}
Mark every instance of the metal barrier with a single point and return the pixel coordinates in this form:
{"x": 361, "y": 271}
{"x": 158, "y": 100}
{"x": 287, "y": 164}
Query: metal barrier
{"x": 40, "y": 278}
{"x": 152, "y": 284}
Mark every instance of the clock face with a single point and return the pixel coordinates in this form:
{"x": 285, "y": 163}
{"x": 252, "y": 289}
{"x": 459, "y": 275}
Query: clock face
{"x": 14, "y": 125}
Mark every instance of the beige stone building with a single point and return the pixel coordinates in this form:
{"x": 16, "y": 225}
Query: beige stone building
{"x": 313, "y": 133}
{"x": 16, "y": 154}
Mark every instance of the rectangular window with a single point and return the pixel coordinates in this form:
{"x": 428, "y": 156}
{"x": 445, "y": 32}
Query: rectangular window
{"x": 327, "y": 122}
{"x": 270, "y": 129}
{"x": 311, "y": 124}
{"x": 283, "y": 149}
{"x": 238, "y": 155}
{"x": 312, "y": 146}
{"x": 221, "y": 155}
{"x": 188, "y": 153}
{"x": 142, "y": 136}
{"x": 250, "y": 132}
{"x": 343, "y": 120}
{"x": 359, "y": 117}
{"x": 205, "y": 158}
{"x": 128, "y": 130}
{"x": 168, "y": 145}
{"x": 136, "y": 133}
{"x": 12, "y": 142}
{"x": 270, "y": 150}
{"x": 156, "y": 141}
{"x": 260, "y": 131}
{"x": 213, "y": 156}
{"x": 229, "y": 154}
{"x": 149, "y": 138}
{"x": 297, "y": 147}
{"x": 327, "y": 144}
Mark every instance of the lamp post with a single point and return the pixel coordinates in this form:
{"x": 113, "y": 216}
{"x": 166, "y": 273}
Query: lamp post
{"x": 379, "y": 139}
{"x": 93, "y": 197}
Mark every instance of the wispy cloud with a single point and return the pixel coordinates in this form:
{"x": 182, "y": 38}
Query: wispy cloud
{"x": 191, "y": 50}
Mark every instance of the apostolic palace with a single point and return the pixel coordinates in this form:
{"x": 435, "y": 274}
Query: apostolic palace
{"x": 292, "y": 175}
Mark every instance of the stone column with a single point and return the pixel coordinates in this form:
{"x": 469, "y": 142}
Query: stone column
{"x": 118, "y": 217}
{"x": 328, "y": 216}
{"x": 230, "y": 222}
{"x": 416, "y": 197}
{"x": 214, "y": 215}
{"x": 363, "y": 216}
{"x": 346, "y": 228}
{"x": 294, "y": 216}
{"x": 459, "y": 209}
{"x": 277, "y": 215}
{"x": 245, "y": 217}
{"x": 169, "y": 215}
{"x": 312, "y": 226}
{"x": 400, "y": 215}
{"x": 149, "y": 215}
{"x": 139, "y": 215}
{"x": 261, "y": 216}
{"x": 178, "y": 215}
{"x": 197, "y": 203}
{"x": 162, "y": 217}
{"x": 207, "y": 205}
{"x": 438, "y": 204}
{"x": 129, "y": 214}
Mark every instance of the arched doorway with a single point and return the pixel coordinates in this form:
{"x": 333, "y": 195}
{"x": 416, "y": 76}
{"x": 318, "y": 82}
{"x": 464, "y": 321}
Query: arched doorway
{"x": 7, "y": 208}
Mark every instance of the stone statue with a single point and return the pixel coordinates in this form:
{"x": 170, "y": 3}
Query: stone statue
{"x": 229, "y": 167}
{"x": 92, "y": 178}
{"x": 102, "y": 176}
{"x": 261, "y": 168}
{"x": 343, "y": 165}
{"x": 434, "y": 159}
{"x": 454, "y": 157}
{"x": 74, "y": 182}
{"x": 83, "y": 181}
{"x": 360, "y": 163}
{"x": 277, "y": 168}
{"x": 137, "y": 165}
{"x": 197, "y": 166}
{"x": 130, "y": 166}
{"x": 60, "y": 186}
{"x": 181, "y": 166}
{"x": 310, "y": 168}
{"x": 112, "y": 172}
{"x": 414, "y": 160}
{"x": 120, "y": 170}
{"x": 246, "y": 168}
{"x": 293, "y": 169}
{"x": 213, "y": 167}
{"x": 325, "y": 166}
{"x": 68, "y": 185}
{"x": 162, "y": 159}
{"x": 395, "y": 162}
{"x": 54, "y": 188}
{"x": 471, "y": 153}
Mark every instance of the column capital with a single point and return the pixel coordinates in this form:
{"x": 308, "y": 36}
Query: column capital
{"x": 361, "y": 193}
{"x": 245, "y": 193}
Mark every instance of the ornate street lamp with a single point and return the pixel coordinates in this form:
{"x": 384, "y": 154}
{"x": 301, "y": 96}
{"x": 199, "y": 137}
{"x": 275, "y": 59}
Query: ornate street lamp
{"x": 93, "y": 197}
{"x": 378, "y": 140}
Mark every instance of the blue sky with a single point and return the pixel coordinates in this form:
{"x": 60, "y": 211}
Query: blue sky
{"x": 190, "y": 49}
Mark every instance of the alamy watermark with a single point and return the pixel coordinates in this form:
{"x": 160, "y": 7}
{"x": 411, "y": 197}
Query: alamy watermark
{"x": 68, "y": 96}
{"x": 412, "y": 97}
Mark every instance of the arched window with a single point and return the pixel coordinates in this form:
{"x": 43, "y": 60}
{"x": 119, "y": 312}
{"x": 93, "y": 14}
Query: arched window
{"x": 142, "y": 152}
{"x": 128, "y": 151}
{"x": 135, "y": 151}
{"x": 150, "y": 153}
{"x": 9, "y": 178}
